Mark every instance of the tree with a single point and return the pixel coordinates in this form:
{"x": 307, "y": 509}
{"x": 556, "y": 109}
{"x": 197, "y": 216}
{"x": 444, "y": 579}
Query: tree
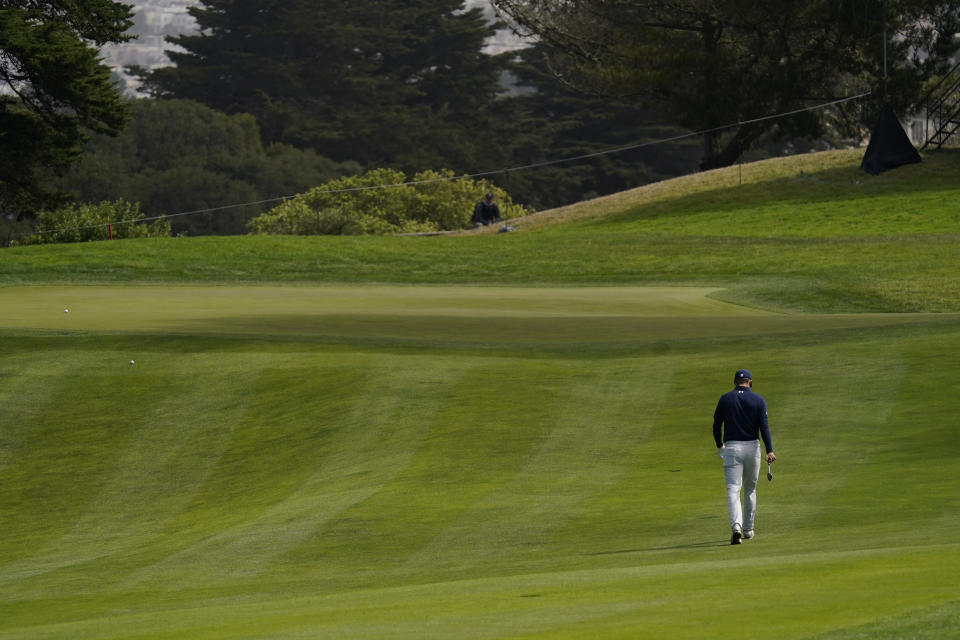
{"x": 552, "y": 121}
{"x": 705, "y": 64}
{"x": 54, "y": 91}
{"x": 178, "y": 156}
{"x": 388, "y": 82}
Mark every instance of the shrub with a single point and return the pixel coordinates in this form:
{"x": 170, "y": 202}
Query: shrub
{"x": 383, "y": 201}
{"x": 87, "y": 222}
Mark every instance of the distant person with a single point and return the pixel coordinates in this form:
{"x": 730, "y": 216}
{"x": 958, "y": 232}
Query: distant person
{"x": 739, "y": 421}
{"x": 486, "y": 212}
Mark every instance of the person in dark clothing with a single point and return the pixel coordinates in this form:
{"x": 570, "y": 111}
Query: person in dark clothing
{"x": 739, "y": 421}
{"x": 486, "y": 212}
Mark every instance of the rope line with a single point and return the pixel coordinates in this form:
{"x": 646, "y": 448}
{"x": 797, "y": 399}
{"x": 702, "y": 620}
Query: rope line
{"x": 535, "y": 165}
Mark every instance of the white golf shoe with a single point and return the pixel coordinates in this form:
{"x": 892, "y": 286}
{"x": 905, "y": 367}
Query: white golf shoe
{"x": 737, "y": 535}
{"x": 749, "y": 534}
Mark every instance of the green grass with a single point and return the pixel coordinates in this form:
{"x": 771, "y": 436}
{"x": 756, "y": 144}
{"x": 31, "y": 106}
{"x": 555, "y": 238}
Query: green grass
{"x": 813, "y": 233}
{"x": 325, "y": 438}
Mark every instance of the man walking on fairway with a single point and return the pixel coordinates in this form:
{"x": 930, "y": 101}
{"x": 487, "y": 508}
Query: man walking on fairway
{"x": 738, "y": 422}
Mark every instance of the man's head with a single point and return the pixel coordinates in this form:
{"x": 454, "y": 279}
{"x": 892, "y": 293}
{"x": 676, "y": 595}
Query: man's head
{"x": 488, "y": 197}
{"x": 743, "y": 378}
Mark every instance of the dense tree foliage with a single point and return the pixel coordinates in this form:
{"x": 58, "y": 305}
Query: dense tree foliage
{"x": 551, "y": 121}
{"x": 54, "y": 90}
{"x": 284, "y": 96}
{"x": 387, "y": 82}
{"x": 178, "y": 156}
{"x": 708, "y": 63}
{"x": 406, "y": 85}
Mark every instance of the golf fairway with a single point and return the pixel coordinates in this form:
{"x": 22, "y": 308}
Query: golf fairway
{"x": 466, "y": 462}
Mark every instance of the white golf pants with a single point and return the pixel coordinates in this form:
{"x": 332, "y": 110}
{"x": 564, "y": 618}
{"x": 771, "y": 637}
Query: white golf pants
{"x": 741, "y": 468}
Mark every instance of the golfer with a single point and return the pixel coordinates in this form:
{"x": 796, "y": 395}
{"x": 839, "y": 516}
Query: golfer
{"x": 738, "y": 422}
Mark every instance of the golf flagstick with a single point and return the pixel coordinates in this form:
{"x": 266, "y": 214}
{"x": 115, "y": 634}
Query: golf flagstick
{"x": 769, "y": 472}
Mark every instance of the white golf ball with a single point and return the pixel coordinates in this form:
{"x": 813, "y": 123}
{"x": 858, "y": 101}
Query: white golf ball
{"x": 131, "y": 362}
{"x": 66, "y": 310}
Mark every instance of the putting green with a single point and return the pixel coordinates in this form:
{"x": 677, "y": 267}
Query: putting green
{"x": 442, "y": 314}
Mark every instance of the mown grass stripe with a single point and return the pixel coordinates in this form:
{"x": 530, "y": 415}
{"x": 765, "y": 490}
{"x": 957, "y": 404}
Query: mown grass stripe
{"x": 544, "y": 605}
{"x": 488, "y": 461}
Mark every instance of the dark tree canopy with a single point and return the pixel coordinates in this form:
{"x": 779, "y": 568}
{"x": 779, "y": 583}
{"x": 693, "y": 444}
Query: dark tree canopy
{"x": 54, "y": 90}
{"x": 178, "y": 156}
{"x": 705, "y": 64}
{"x": 387, "y": 82}
{"x": 551, "y": 121}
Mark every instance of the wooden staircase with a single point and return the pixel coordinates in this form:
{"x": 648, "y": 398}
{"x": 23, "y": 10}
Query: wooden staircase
{"x": 942, "y": 109}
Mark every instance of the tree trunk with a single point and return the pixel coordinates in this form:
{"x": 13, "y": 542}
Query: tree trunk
{"x": 717, "y": 155}
{"x": 712, "y": 149}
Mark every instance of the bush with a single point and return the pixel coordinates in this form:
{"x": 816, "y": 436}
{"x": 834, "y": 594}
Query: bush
{"x": 382, "y": 201}
{"x": 87, "y": 222}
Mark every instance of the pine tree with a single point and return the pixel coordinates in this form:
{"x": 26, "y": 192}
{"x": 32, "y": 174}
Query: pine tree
{"x": 707, "y": 65}
{"x": 54, "y": 91}
{"x": 552, "y": 121}
{"x": 388, "y": 82}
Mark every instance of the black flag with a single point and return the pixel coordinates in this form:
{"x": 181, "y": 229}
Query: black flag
{"x": 889, "y": 145}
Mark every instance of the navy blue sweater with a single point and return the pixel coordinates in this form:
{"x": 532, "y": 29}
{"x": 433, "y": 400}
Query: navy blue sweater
{"x": 742, "y": 414}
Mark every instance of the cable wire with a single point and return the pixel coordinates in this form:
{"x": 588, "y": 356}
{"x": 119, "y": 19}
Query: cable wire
{"x": 535, "y": 165}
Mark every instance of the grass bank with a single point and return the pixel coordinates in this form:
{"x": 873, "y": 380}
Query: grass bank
{"x": 813, "y": 233}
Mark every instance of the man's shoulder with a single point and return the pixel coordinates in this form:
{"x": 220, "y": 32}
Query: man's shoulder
{"x": 728, "y": 395}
